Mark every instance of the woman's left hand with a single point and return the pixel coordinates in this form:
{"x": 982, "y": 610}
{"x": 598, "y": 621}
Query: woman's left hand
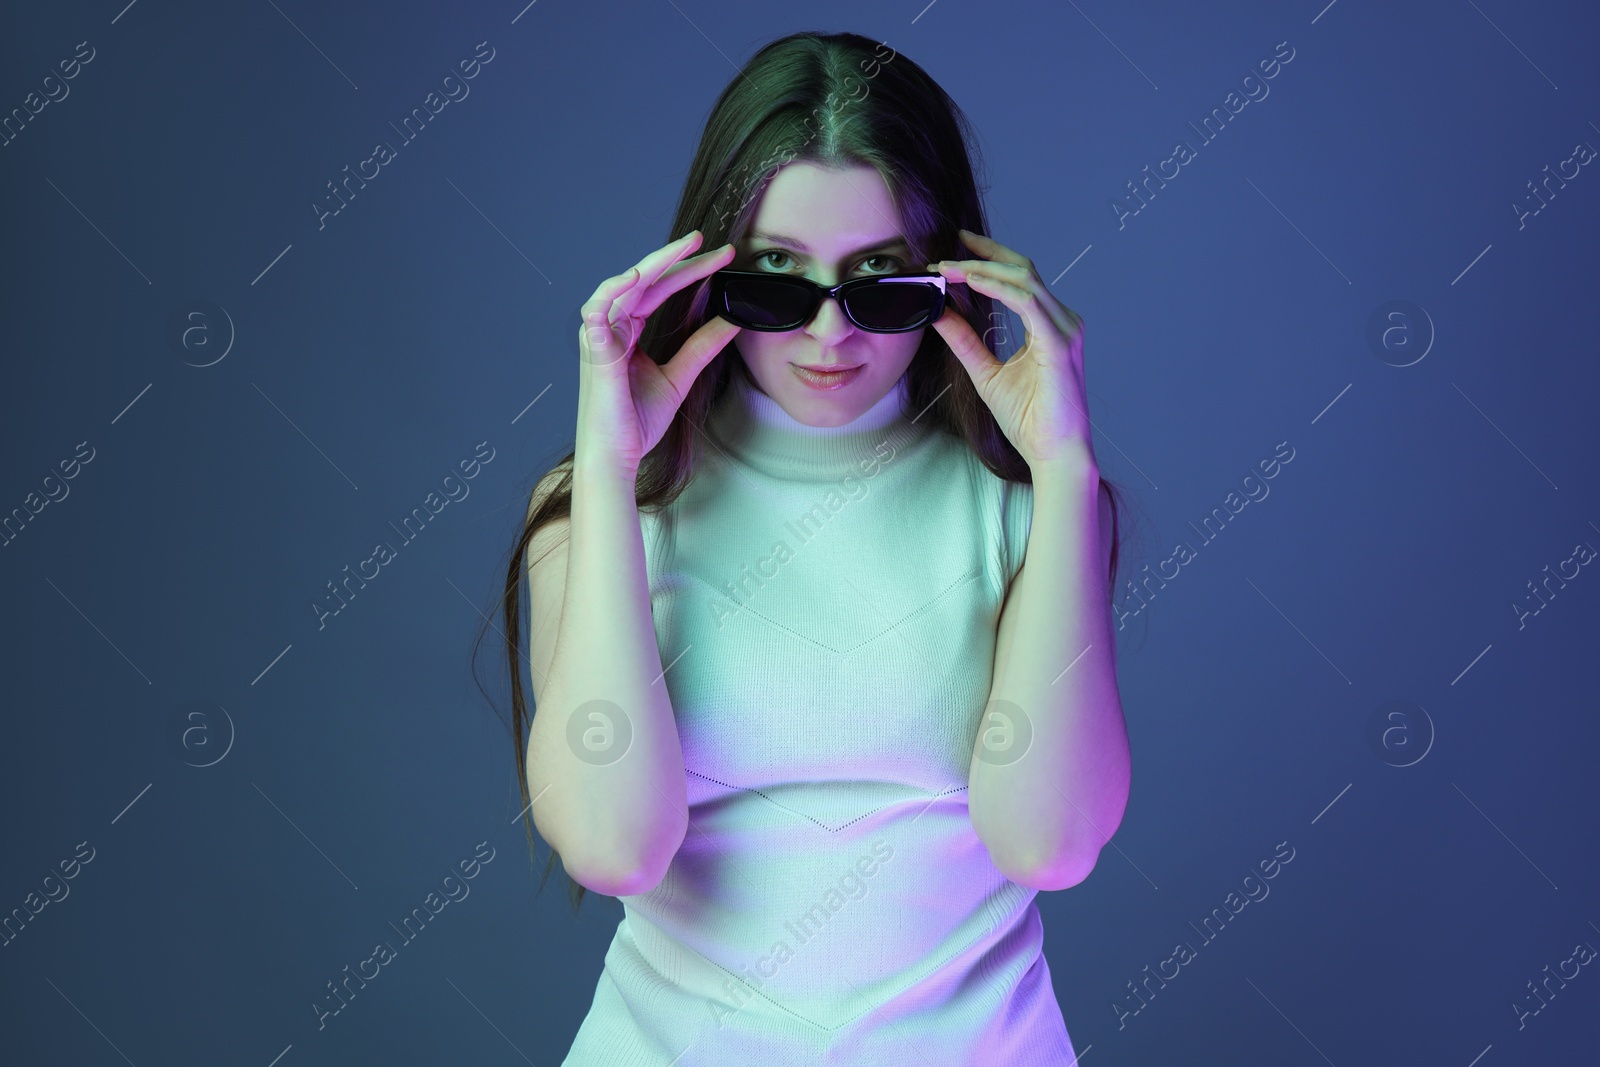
{"x": 1037, "y": 396}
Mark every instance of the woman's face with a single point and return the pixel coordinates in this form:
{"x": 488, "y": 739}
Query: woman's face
{"x": 828, "y": 226}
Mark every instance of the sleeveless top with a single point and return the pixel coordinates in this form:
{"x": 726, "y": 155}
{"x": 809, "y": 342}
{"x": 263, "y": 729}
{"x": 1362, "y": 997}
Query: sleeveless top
{"x": 825, "y": 602}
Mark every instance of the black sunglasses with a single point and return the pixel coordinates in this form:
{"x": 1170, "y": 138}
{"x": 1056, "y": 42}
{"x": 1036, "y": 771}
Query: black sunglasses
{"x": 883, "y": 303}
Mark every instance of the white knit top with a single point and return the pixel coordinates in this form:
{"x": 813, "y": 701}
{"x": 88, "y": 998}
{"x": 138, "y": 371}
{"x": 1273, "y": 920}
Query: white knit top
{"x": 825, "y": 600}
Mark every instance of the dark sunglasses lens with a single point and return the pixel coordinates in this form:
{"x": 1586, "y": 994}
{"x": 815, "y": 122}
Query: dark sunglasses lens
{"x": 893, "y": 306}
{"x": 764, "y": 303}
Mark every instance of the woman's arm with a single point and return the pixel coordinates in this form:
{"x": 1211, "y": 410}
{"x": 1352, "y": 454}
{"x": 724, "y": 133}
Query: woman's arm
{"x": 1045, "y": 816}
{"x": 610, "y": 790}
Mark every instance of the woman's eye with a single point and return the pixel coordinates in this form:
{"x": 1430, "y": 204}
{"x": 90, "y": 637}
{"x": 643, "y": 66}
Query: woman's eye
{"x": 762, "y": 259}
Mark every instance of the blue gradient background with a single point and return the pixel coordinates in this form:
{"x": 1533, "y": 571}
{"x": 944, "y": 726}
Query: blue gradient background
{"x": 1229, "y": 315}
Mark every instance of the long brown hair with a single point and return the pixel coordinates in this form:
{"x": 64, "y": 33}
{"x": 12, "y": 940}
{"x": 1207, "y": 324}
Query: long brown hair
{"x": 836, "y": 100}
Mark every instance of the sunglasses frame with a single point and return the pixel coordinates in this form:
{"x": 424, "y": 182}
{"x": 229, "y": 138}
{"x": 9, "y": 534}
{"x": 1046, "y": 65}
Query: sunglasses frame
{"x": 817, "y": 293}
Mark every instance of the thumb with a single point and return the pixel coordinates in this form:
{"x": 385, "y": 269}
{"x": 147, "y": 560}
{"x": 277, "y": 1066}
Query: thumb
{"x": 967, "y": 346}
{"x": 698, "y": 350}
{"x": 599, "y": 339}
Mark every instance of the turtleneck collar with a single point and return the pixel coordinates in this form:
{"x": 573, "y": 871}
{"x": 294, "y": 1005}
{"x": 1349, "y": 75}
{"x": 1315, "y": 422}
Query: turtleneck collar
{"x": 753, "y": 427}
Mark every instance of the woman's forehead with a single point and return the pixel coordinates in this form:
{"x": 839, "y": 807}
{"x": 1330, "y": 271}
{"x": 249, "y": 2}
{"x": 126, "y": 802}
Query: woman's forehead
{"x": 826, "y": 211}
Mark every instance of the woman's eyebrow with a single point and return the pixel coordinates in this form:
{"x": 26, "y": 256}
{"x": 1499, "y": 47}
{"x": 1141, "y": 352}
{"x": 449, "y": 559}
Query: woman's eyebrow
{"x": 891, "y": 242}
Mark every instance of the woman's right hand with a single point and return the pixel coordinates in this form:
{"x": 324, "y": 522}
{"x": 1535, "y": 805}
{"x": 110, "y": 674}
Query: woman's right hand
{"x": 625, "y": 399}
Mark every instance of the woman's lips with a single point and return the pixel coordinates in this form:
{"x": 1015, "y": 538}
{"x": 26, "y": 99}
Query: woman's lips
{"x": 826, "y": 379}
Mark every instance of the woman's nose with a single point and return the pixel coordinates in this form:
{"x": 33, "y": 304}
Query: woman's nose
{"x": 829, "y": 324}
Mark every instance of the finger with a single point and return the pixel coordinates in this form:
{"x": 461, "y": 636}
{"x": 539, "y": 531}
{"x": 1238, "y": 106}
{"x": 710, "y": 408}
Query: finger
{"x": 624, "y": 306}
{"x": 967, "y": 346}
{"x": 643, "y": 300}
{"x": 651, "y": 267}
{"x": 989, "y": 248}
{"x": 1000, "y": 257}
{"x": 610, "y": 289}
{"x": 1064, "y": 318}
{"x": 695, "y": 352}
{"x": 597, "y": 342}
{"x": 1018, "y": 299}
{"x": 597, "y": 307}
{"x": 1015, "y": 273}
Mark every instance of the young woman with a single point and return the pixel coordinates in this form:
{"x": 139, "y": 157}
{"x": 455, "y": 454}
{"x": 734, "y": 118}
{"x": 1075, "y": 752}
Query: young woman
{"x": 821, "y": 642}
